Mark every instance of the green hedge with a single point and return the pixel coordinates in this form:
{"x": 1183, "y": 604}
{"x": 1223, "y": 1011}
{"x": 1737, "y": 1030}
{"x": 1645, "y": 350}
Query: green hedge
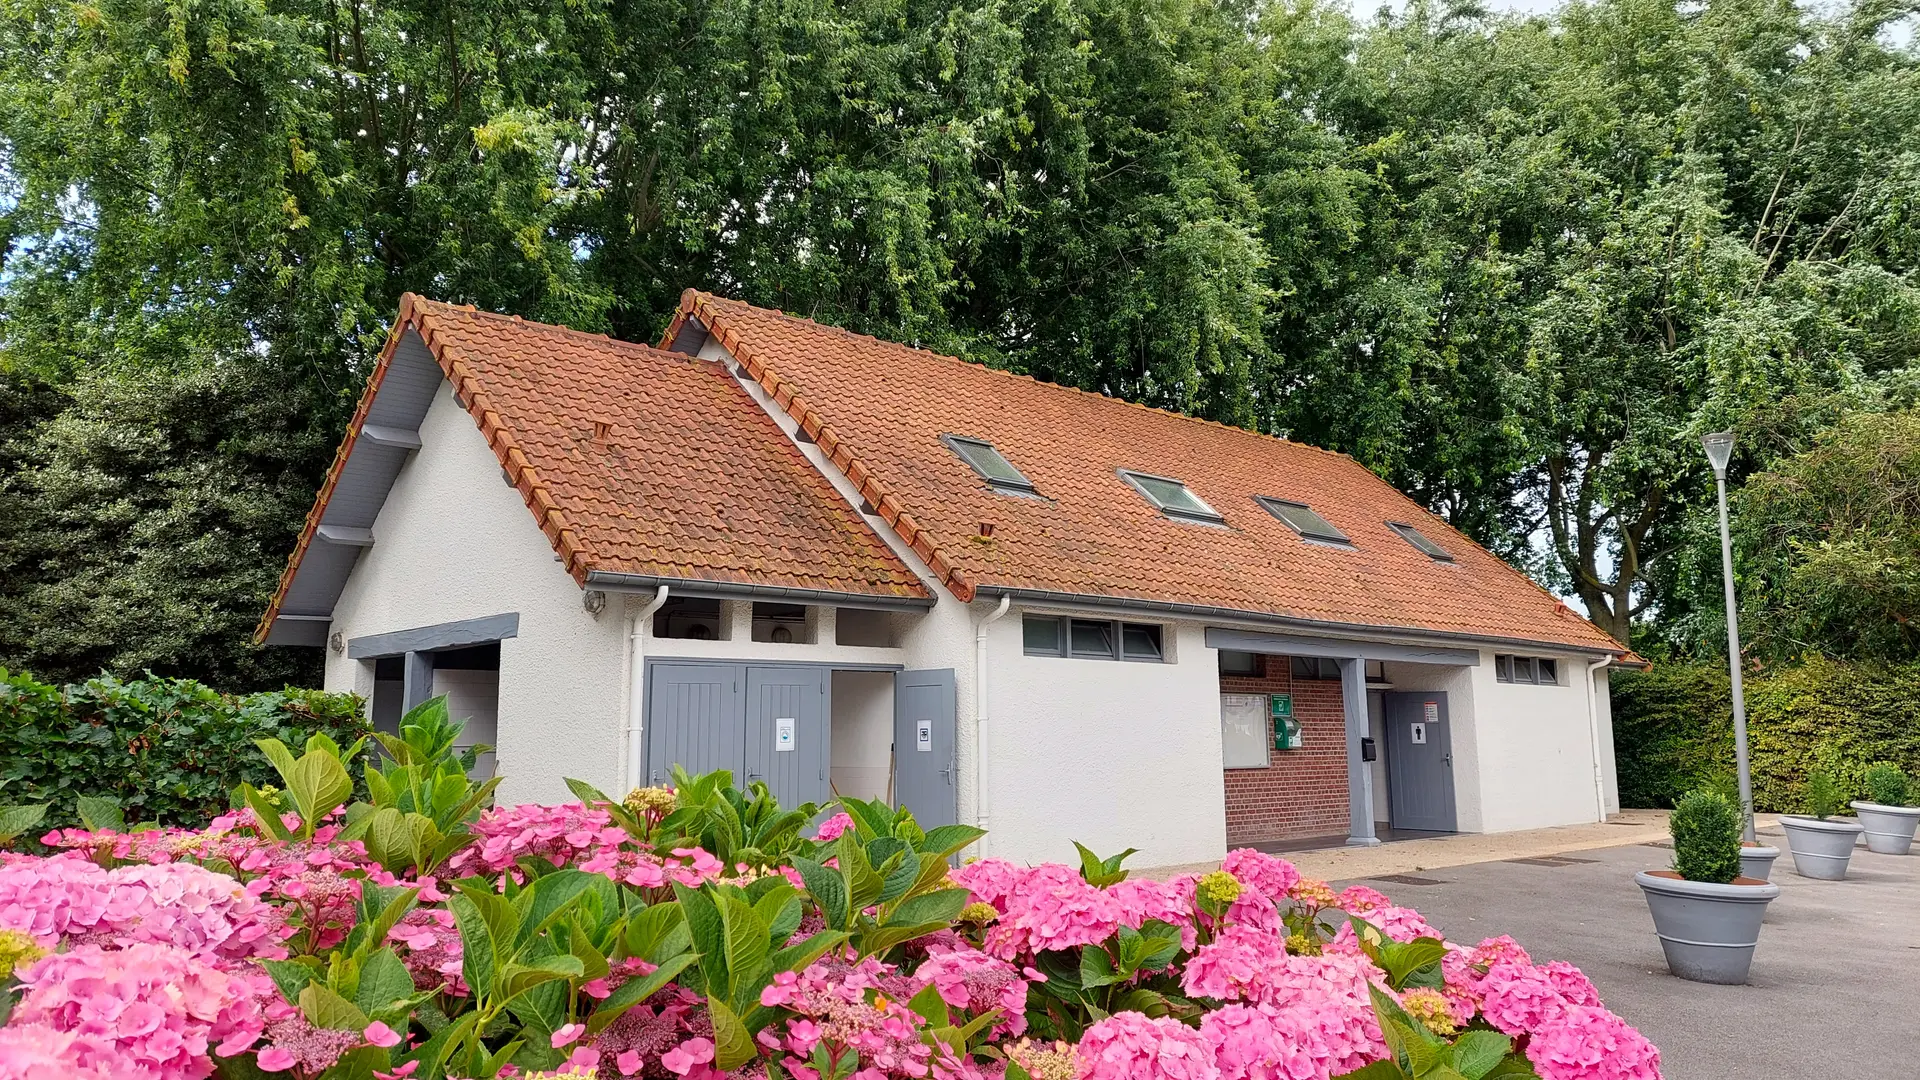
{"x": 169, "y": 750}
{"x": 1673, "y": 728}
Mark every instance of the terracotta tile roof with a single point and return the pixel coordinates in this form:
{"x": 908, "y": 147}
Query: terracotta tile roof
{"x": 639, "y": 461}
{"x": 878, "y": 410}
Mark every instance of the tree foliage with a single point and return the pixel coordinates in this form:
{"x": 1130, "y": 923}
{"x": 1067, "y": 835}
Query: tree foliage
{"x": 1513, "y": 264}
{"x": 1829, "y": 544}
{"x": 1673, "y": 728}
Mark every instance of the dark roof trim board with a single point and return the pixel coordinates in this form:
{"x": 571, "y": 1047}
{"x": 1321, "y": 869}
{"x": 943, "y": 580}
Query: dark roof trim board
{"x": 721, "y": 590}
{"x": 1357, "y": 632}
{"x": 453, "y": 635}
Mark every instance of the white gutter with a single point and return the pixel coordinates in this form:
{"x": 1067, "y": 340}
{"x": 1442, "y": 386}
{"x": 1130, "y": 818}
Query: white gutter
{"x": 637, "y": 688}
{"x": 1593, "y": 730}
{"x": 980, "y": 757}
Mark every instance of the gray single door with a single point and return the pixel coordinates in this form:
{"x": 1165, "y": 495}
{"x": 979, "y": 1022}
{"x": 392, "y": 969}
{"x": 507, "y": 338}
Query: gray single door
{"x": 788, "y": 733}
{"x": 1419, "y": 761}
{"x": 695, "y": 718}
{"x": 924, "y": 761}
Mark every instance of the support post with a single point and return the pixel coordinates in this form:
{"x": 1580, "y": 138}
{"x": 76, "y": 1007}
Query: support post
{"x": 417, "y": 684}
{"x": 1353, "y": 696}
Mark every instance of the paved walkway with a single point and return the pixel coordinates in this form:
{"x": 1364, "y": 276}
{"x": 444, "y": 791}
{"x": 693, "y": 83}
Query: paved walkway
{"x": 1460, "y": 849}
{"x": 1831, "y": 992}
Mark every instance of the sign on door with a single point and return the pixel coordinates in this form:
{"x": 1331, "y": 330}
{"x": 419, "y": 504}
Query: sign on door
{"x": 783, "y": 728}
{"x": 1419, "y": 734}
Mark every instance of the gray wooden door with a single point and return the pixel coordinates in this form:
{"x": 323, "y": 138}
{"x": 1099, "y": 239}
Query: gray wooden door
{"x": 1419, "y": 761}
{"x": 694, "y": 714}
{"x": 787, "y": 732}
{"x": 925, "y": 767}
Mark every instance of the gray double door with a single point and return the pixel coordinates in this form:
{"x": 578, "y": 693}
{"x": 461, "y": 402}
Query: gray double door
{"x": 1419, "y": 761}
{"x": 768, "y": 723}
{"x": 774, "y": 723}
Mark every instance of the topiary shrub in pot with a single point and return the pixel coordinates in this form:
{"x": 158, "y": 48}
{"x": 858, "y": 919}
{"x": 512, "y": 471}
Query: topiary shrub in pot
{"x": 1821, "y": 842}
{"x": 1706, "y": 914}
{"x": 1887, "y": 813}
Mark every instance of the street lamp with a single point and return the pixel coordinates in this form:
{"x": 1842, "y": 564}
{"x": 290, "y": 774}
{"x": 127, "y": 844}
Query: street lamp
{"x": 1719, "y": 446}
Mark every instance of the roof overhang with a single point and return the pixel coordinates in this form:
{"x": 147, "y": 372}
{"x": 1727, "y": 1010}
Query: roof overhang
{"x": 385, "y": 430}
{"x": 1439, "y": 645}
{"x": 612, "y": 581}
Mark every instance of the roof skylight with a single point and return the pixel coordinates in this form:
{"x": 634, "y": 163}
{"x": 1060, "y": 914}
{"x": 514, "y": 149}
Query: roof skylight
{"x": 1171, "y": 497}
{"x": 1419, "y": 540}
{"x": 1302, "y": 519}
{"x": 990, "y": 463}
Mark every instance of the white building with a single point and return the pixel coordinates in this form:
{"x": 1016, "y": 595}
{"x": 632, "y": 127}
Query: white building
{"x": 840, "y": 564}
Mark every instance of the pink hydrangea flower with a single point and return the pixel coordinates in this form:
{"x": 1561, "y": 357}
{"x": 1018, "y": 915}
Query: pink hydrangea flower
{"x": 1359, "y": 899}
{"x": 561, "y": 835}
{"x": 974, "y": 982}
{"x": 1585, "y": 1042}
{"x": 158, "y": 1010}
{"x": 1326, "y": 996}
{"x": 38, "y": 1052}
{"x": 1293, "y": 1043}
{"x": 1053, "y": 908}
{"x": 66, "y": 898}
{"x": 1262, "y": 872}
{"x": 1519, "y": 998}
{"x": 990, "y": 881}
{"x": 831, "y": 828}
{"x": 1400, "y": 924}
{"x": 1132, "y": 1046}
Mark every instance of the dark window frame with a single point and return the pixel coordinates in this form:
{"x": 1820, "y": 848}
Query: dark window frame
{"x": 1207, "y": 515}
{"x": 1117, "y": 632}
{"x": 1526, "y": 670}
{"x": 1257, "y": 669}
{"x": 1420, "y": 541}
{"x": 1318, "y": 667}
{"x": 1018, "y": 484}
{"x": 1273, "y": 505}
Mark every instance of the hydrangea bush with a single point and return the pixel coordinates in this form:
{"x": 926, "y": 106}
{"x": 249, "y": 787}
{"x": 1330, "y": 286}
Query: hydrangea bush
{"x": 699, "y": 931}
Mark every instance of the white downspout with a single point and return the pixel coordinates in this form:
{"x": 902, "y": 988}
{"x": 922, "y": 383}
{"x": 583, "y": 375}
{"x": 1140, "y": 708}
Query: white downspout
{"x": 637, "y": 687}
{"x": 1593, "y": 730}
{"x": 980, "y": 757}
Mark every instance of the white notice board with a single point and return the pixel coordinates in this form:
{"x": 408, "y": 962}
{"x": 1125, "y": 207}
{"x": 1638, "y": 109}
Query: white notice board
{"x": 1243, "y": 730}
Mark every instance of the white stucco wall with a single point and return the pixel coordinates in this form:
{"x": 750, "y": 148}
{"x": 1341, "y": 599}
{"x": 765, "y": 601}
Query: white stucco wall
{"x": 1112, "y": 754}
{"x": 1534, "y": 750}
{"x": 455, "y": 542}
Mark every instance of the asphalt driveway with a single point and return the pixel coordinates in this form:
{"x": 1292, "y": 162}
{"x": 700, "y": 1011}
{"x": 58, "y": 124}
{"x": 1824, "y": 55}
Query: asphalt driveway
{"x": 1833, "y": 986}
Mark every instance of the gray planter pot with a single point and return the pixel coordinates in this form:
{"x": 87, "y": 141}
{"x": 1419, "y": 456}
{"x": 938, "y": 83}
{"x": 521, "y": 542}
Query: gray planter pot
{"x": 1889, "y": 828}
{"x": 1708, "y": 931}
{"x": 1820, "y": 848}
{"x": 1757, "y": 862}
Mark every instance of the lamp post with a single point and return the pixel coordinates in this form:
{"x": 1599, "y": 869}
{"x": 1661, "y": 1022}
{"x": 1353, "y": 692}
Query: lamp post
{"x": 1719, "y": 446}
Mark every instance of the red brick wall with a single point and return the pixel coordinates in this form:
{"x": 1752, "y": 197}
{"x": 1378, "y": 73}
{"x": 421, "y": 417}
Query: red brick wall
{"x": 1301, "y": 792}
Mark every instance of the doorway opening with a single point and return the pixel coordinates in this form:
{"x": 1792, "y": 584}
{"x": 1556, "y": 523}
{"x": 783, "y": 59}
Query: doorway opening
{"x": 470, "y": 679}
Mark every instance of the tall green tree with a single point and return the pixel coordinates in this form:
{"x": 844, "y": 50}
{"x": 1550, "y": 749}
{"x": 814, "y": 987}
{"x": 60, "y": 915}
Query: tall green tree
{"x": 1590, "y": 280}
{"x": 1513, "y": 264}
